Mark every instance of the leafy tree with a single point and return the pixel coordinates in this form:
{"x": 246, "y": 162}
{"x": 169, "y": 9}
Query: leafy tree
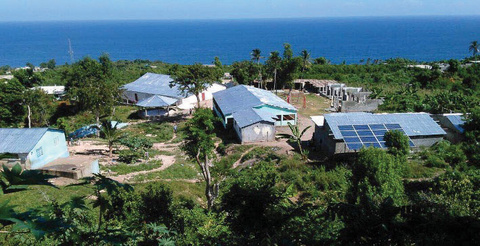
{"x": 397, "y": 143}
{"x": 200, "y": 145}
{"x": 245, "y": 72}
{"x": 40, "y": 107}
{"x": 90, "y": 85}
{"x": 296, "y": 136}
{"x": 474, "y": 47}
{"x": 11, "y": 103}
{"x": 472, "y": 135}
{"x": 321, "y": 61}
{"x": 28, "y": 78}
{"x": 377, "y": 176}
{"x": 255, "y": 205}
{"x": 50, "y": 64}
{"x": 195, "y": 79}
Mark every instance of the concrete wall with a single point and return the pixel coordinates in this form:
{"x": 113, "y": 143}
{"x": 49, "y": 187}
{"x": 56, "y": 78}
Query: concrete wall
{"x": 367, "y": 106}
{"x": 259, "y": 132}
{"x": 426, "y": 141}
{"x": 51, "y": 146}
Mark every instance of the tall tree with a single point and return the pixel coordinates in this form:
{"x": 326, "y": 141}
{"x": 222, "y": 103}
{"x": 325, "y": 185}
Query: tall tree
{"x": 305, "y": 60}
{"x": 273, "y": 64}
{"x": 11, "y": 103}
{"x": 91, "y": 85}
{"x": 40, "y": 107}
{"x": 256, "y": 55}
{"x": 200, "y": 145}
{"x": 474, "y": 47}
{"x": 195, "y": 79}
{"x": 287, "y": 51}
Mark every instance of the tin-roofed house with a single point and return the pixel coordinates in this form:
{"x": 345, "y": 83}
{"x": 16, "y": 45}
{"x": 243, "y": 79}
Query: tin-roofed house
{"x": 349, "y": 132}
{"x": 154, "y": 94}
{"x": 33, "y": 148}
{"x": 252, "y": 112}
{"x": 453, "y": 125}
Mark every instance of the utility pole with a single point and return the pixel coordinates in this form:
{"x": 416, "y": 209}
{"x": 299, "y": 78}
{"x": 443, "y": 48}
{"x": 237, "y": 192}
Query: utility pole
{"x": 70, "y": 51}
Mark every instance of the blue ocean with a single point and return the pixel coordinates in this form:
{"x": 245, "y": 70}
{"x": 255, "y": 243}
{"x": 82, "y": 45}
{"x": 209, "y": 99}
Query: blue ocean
{"x": 190, "y": 41}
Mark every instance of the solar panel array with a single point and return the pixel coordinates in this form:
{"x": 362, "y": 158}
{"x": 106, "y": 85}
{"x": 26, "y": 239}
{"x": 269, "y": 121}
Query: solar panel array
{"x": 358, "y": 136}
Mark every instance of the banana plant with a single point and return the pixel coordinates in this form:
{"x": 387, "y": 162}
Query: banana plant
{"x": 296, "y": 137}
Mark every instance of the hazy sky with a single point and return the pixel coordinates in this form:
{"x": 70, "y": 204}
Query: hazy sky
{"x": 31, "y": 10}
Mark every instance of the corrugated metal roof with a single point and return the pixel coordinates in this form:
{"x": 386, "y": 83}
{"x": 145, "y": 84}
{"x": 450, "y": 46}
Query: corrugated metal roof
{"x": 251, "y": 116}
{"x": 457, "y": 121}
{"x": 243, "y": 97}
{"x": 157, "y": 84}
{"x": 20, "y": 140}
{"x": 157, "y": 101}
{"x": 414, "y": 124}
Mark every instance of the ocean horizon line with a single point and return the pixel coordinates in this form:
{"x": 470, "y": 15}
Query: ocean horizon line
{"x": 246, "y": 19}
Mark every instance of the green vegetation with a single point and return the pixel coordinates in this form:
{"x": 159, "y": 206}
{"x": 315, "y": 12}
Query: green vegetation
{"x": 121, "y": 169}
{"x": 377, "y": 197}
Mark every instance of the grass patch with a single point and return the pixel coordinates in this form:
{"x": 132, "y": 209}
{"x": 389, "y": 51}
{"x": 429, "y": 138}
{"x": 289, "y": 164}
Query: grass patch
{"x": 38, "y": 195}
{"x": 315, "y": 104}
{"x": 185, "y": 190}
{"x": 415, "y": 170}
{"x": 122, "y": 168}
{"x": 176, "y": 171}
{"x": 124, "y": 113}
{"x": 157, "y": 132}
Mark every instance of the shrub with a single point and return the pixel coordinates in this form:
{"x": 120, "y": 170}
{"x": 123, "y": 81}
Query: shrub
{"x": 136, "y": 143}
{"x": 129, "y": 156}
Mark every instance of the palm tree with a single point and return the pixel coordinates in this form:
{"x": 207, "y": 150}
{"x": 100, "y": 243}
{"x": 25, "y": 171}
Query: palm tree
{"x": 274, "y": 62}
{"x": 305, "y": 59}
{"x": 296, "y": 136}
{"x": 256, "y": 55}
{"x": 111, "y": 134}
{"x": 474, "y": 47}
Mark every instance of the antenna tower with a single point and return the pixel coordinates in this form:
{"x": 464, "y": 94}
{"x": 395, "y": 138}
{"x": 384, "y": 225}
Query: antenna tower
{"x": 70, "y": 51}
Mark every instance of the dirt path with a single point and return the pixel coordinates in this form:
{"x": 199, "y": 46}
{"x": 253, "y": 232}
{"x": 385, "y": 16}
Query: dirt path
{"x": 167, "y": 161}
{"x": 237, "y": 163}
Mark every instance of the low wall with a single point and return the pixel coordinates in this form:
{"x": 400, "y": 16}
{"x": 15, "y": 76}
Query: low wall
{"x": 369, "y": 105}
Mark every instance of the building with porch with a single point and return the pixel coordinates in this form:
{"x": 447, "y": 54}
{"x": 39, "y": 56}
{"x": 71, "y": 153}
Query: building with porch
{"x": 153, "y": 93}
{"x": 252, "y": 112}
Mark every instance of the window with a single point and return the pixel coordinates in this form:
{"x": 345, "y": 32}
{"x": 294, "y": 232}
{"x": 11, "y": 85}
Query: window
{"x": 39, "y": 152}
{"x": 56, "y": 140}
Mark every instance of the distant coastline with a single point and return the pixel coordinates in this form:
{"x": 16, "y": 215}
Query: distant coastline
{"x": 349, "y": 39}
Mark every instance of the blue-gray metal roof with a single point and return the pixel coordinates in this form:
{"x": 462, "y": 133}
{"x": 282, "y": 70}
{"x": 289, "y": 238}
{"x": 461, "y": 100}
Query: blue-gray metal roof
{"x": 243, "y": 97}
{"x": 457, "y": 121}
{"x": 20, "y": 140}
{"x": 157, "y": 101}
{"x": 156, "y": 84}
{"x": 414, "y": 124}
{"x": 251, "y": 116}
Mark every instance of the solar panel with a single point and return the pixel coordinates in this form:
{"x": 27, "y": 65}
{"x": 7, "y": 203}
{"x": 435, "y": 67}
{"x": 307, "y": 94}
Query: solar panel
{"x": 352, "y": 140}
{"x": 349, "y": 133}
{"x": 393, "y": 126}
{"x": 361, "y": 127}
{"x": 358, "y": 136}
{"x": 354, "y": 146}
{"x": 346, "y": 127}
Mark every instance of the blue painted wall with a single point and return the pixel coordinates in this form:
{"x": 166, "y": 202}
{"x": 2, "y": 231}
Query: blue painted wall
{"x": 50, "y": 147}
